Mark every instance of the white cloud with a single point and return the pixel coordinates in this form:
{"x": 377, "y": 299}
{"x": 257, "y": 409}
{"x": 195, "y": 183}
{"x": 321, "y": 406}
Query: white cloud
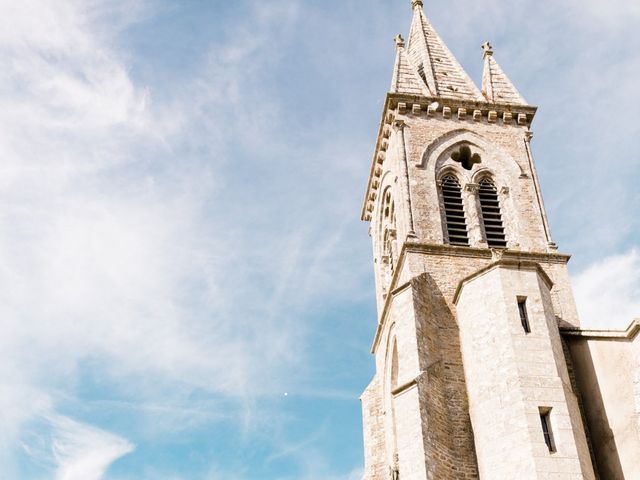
{"x": 610, "y": 14}
{"x": 608, "y": 292}
{"x": 109, "y": 251}
{"x": 52, "y": 57}
{"x": 82, "y": 452}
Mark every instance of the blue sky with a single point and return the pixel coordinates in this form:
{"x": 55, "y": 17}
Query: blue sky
{"x": 187, "y": 287}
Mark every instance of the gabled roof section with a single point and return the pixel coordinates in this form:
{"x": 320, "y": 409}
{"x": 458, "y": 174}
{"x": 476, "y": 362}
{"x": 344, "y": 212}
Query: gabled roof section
{"x": 405, "y": 76}
{"x": 496, "y": 86}
{"x": 435, "y": 64}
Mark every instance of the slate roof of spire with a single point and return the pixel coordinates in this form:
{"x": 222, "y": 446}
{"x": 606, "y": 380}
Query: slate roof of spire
{"x": 428, "y": 60}
{"x": 405, "y": 76}
{"x": 496, "y": 86}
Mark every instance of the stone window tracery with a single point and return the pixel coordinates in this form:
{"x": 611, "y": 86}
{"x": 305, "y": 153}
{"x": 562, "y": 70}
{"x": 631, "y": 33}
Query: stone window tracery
{"x": 465, "y": 157}
{"x": 389, "y": 236}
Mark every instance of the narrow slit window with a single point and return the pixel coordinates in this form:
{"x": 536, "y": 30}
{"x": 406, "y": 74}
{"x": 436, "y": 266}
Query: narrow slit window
{"x": 524, "y": 317}
{"x": 491, "y": 215}
{"x": 545, "y": 419}
{"x": 454, "y": 211}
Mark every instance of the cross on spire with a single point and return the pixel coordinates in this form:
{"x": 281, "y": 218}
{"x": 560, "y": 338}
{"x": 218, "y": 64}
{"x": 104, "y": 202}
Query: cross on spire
{"x": 488, "y": 50}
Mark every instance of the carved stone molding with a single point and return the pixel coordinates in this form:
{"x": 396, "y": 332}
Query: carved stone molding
{"x": 399, "y": 124}
{"x": 473, "y": 188}
{"x": 496, "y": 254}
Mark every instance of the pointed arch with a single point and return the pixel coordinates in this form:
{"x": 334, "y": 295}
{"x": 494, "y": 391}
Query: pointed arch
{"x": 441, "y": 148}
{"x": 391, "y": 381}
{"x": 440, "y": 145}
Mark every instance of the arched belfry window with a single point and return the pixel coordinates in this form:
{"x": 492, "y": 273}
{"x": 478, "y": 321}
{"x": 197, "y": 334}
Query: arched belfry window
{"x": 491, "y": 216}
{"x": 454, "y": 211}
{"x": 388, "y": 208}
{"x": 389, "y": 227}
{"x": 388, "y": 238}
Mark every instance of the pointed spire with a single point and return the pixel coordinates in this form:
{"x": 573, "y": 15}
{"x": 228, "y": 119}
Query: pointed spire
{"x": 405, "y": 78}
{"x": 496, "y": 86}
{"x": 435, "y": 65}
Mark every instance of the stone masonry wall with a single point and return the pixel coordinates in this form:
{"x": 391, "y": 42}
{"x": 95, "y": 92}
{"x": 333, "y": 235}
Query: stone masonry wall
{"x": 375, "y": 466}
{"x": 512, "y": 375}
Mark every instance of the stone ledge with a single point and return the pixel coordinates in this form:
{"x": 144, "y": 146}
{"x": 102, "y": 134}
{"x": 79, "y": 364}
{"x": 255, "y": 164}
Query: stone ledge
{"x": 603, "y": 334}
{"x": 407, "y": 386}
{"x": 454, "y": 251}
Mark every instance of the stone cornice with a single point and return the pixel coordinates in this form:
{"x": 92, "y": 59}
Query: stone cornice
{"x": 398, "y": 104}
{"x": 407, "y": 386}
{"x": 592, "y": 334}
{"x": 505, "y": 257}
{"x": 453, "y": 251}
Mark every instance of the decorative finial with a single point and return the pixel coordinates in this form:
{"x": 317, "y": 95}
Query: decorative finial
{"x": 399, "y": 41}
{"x": 488, "y": 50}
{"x": 416, "y": 3}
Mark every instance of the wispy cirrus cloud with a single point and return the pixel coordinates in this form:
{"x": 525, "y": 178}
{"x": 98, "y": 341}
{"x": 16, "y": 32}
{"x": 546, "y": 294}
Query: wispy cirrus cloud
{"x": 107, "y": 247}
{"x": 113, "y": 260}
{"x": 82, "y": 452}
{"x": 71, "y": 450}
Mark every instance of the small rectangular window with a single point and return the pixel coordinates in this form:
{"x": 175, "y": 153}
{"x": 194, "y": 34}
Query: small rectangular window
{"x": 545, "y": 419}
{"x": 524, "y": 318}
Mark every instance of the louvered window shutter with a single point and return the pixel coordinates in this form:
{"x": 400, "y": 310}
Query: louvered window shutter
{"x": 454, "y": 211}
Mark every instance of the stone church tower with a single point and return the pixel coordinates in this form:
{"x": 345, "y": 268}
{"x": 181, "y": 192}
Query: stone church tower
{"x": 482, "y": 369}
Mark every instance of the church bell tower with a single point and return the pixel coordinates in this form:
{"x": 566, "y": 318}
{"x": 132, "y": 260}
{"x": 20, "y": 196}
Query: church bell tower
{"x": 472, "y": 379}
